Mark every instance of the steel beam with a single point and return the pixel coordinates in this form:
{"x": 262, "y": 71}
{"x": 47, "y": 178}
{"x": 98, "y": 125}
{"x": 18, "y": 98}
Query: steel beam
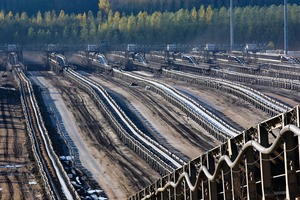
{"x": 177, "y": 190}
{"x": 250, "y": 175}
{"x": 289, "y": 165}
{"x": 235, "y": 175}
{"x": 265, "y": 169}
{"x": 193, "y": 179}
{"x": 212, "y": 184}
{"x": 205, "y": 192}
{"x": 227, "y": 183}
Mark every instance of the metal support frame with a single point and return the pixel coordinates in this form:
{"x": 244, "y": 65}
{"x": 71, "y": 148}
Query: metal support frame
{"x": 192, "y": 175}
{"x": 212, "y": 185}
{"x": 227, "y": 183}
{"x": 226, "y": 173}
{"x": 177, "y": 189}
{"x": 235, "y": 175}
{"x": 265, "y": 168}
{"x": 250, "y": 154}
{"x": 250, "y": 175}
{"x": 289, "y": 165}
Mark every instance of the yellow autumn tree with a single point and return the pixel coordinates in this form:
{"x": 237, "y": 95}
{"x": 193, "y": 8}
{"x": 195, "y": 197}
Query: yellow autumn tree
{"x": 209, "y": 14}
{"x": 104, "y": 5}
{"x": 194, "y": 14}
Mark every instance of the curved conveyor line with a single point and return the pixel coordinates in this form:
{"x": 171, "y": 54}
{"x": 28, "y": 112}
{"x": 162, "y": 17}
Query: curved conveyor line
{"x": 288, "y": 129}
{"x": 264, "y": 99}
{"x": 65, "y": 188}
{"x": 128, "y": 124}
{"x": 218, "y": 123}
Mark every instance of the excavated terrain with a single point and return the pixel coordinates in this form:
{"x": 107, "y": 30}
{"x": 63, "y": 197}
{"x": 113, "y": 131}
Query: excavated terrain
{"x": 19, "y": 178}
{"x": 117, "y": 169}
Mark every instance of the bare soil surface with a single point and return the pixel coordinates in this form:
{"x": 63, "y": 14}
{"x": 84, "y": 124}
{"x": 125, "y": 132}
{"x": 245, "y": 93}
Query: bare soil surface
{"x": 117, "y": 169}
{"x": 288, "y": 97}
{"x": 18, "y": 178}
{"x": 236, "y": 112}
{"x": 173, "y": 128}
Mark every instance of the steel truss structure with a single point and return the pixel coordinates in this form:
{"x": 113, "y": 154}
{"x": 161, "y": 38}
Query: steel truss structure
{"x": 260, "y": 163}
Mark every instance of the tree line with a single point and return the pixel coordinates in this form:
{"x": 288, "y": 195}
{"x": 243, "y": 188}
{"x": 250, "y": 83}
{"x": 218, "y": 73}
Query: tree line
{"x": 135, "y": 6}
{"x": 185, "y": 26}
{"x": 31, "y": 7}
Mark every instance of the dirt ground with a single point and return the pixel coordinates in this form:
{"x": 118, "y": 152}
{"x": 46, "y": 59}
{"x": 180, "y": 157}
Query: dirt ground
{"x": 285, "y": 96}
{"x": 237, "y": 112}
{"x": 17, "y": 169}
{"x": 117, "y": 169}
{"x": 172, "y": 127}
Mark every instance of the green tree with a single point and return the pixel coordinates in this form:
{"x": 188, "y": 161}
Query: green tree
{"x": 2, "y": 15}
{"x": 201, "y": 14}
{"x": 47, "y": 17}
{"x": 123, "y": 24}
{"x": 31, "y": 34}
{"x": 131, "y": 25}
{"x": 271, "y": 45}
{"x": 39, "y": 18}
{"x": 99, "y": 17}
{"x": 116, "y": 20}
{"x": 10, "y": 15}
{"x": 74, "y": 33}
{"x": 24, "y": 17}
{"x": 84, "y": 33}
{"x": 66, "y": 33}
{"x": 93, "y": 31}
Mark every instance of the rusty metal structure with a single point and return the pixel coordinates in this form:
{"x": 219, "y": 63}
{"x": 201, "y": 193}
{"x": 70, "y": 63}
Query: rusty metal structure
{"x": 260, "y": 163}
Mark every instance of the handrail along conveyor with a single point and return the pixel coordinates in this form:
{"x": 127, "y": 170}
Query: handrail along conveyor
{"x": 43, "y": 145}
{"x": 262, "y": 99}
{"x": 261, "y": 80}
{"x": 193, "y": 106}
{"x": 143, "y": 139}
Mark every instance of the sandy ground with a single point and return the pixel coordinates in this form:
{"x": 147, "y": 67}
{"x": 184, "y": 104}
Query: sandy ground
{"x": 15, "y": 165}
{"x": 107, "y": 168}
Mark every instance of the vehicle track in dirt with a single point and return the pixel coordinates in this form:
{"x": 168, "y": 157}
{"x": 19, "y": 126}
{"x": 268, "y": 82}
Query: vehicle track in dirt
{"x": 98, "y": 133}
{"x": 172, "y": 125}
{"x": 17, "y": 168}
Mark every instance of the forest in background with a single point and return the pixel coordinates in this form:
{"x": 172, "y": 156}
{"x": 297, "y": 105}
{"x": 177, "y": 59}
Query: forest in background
{"x": 31, "y": 7}
{"x": 186, "y": 26}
